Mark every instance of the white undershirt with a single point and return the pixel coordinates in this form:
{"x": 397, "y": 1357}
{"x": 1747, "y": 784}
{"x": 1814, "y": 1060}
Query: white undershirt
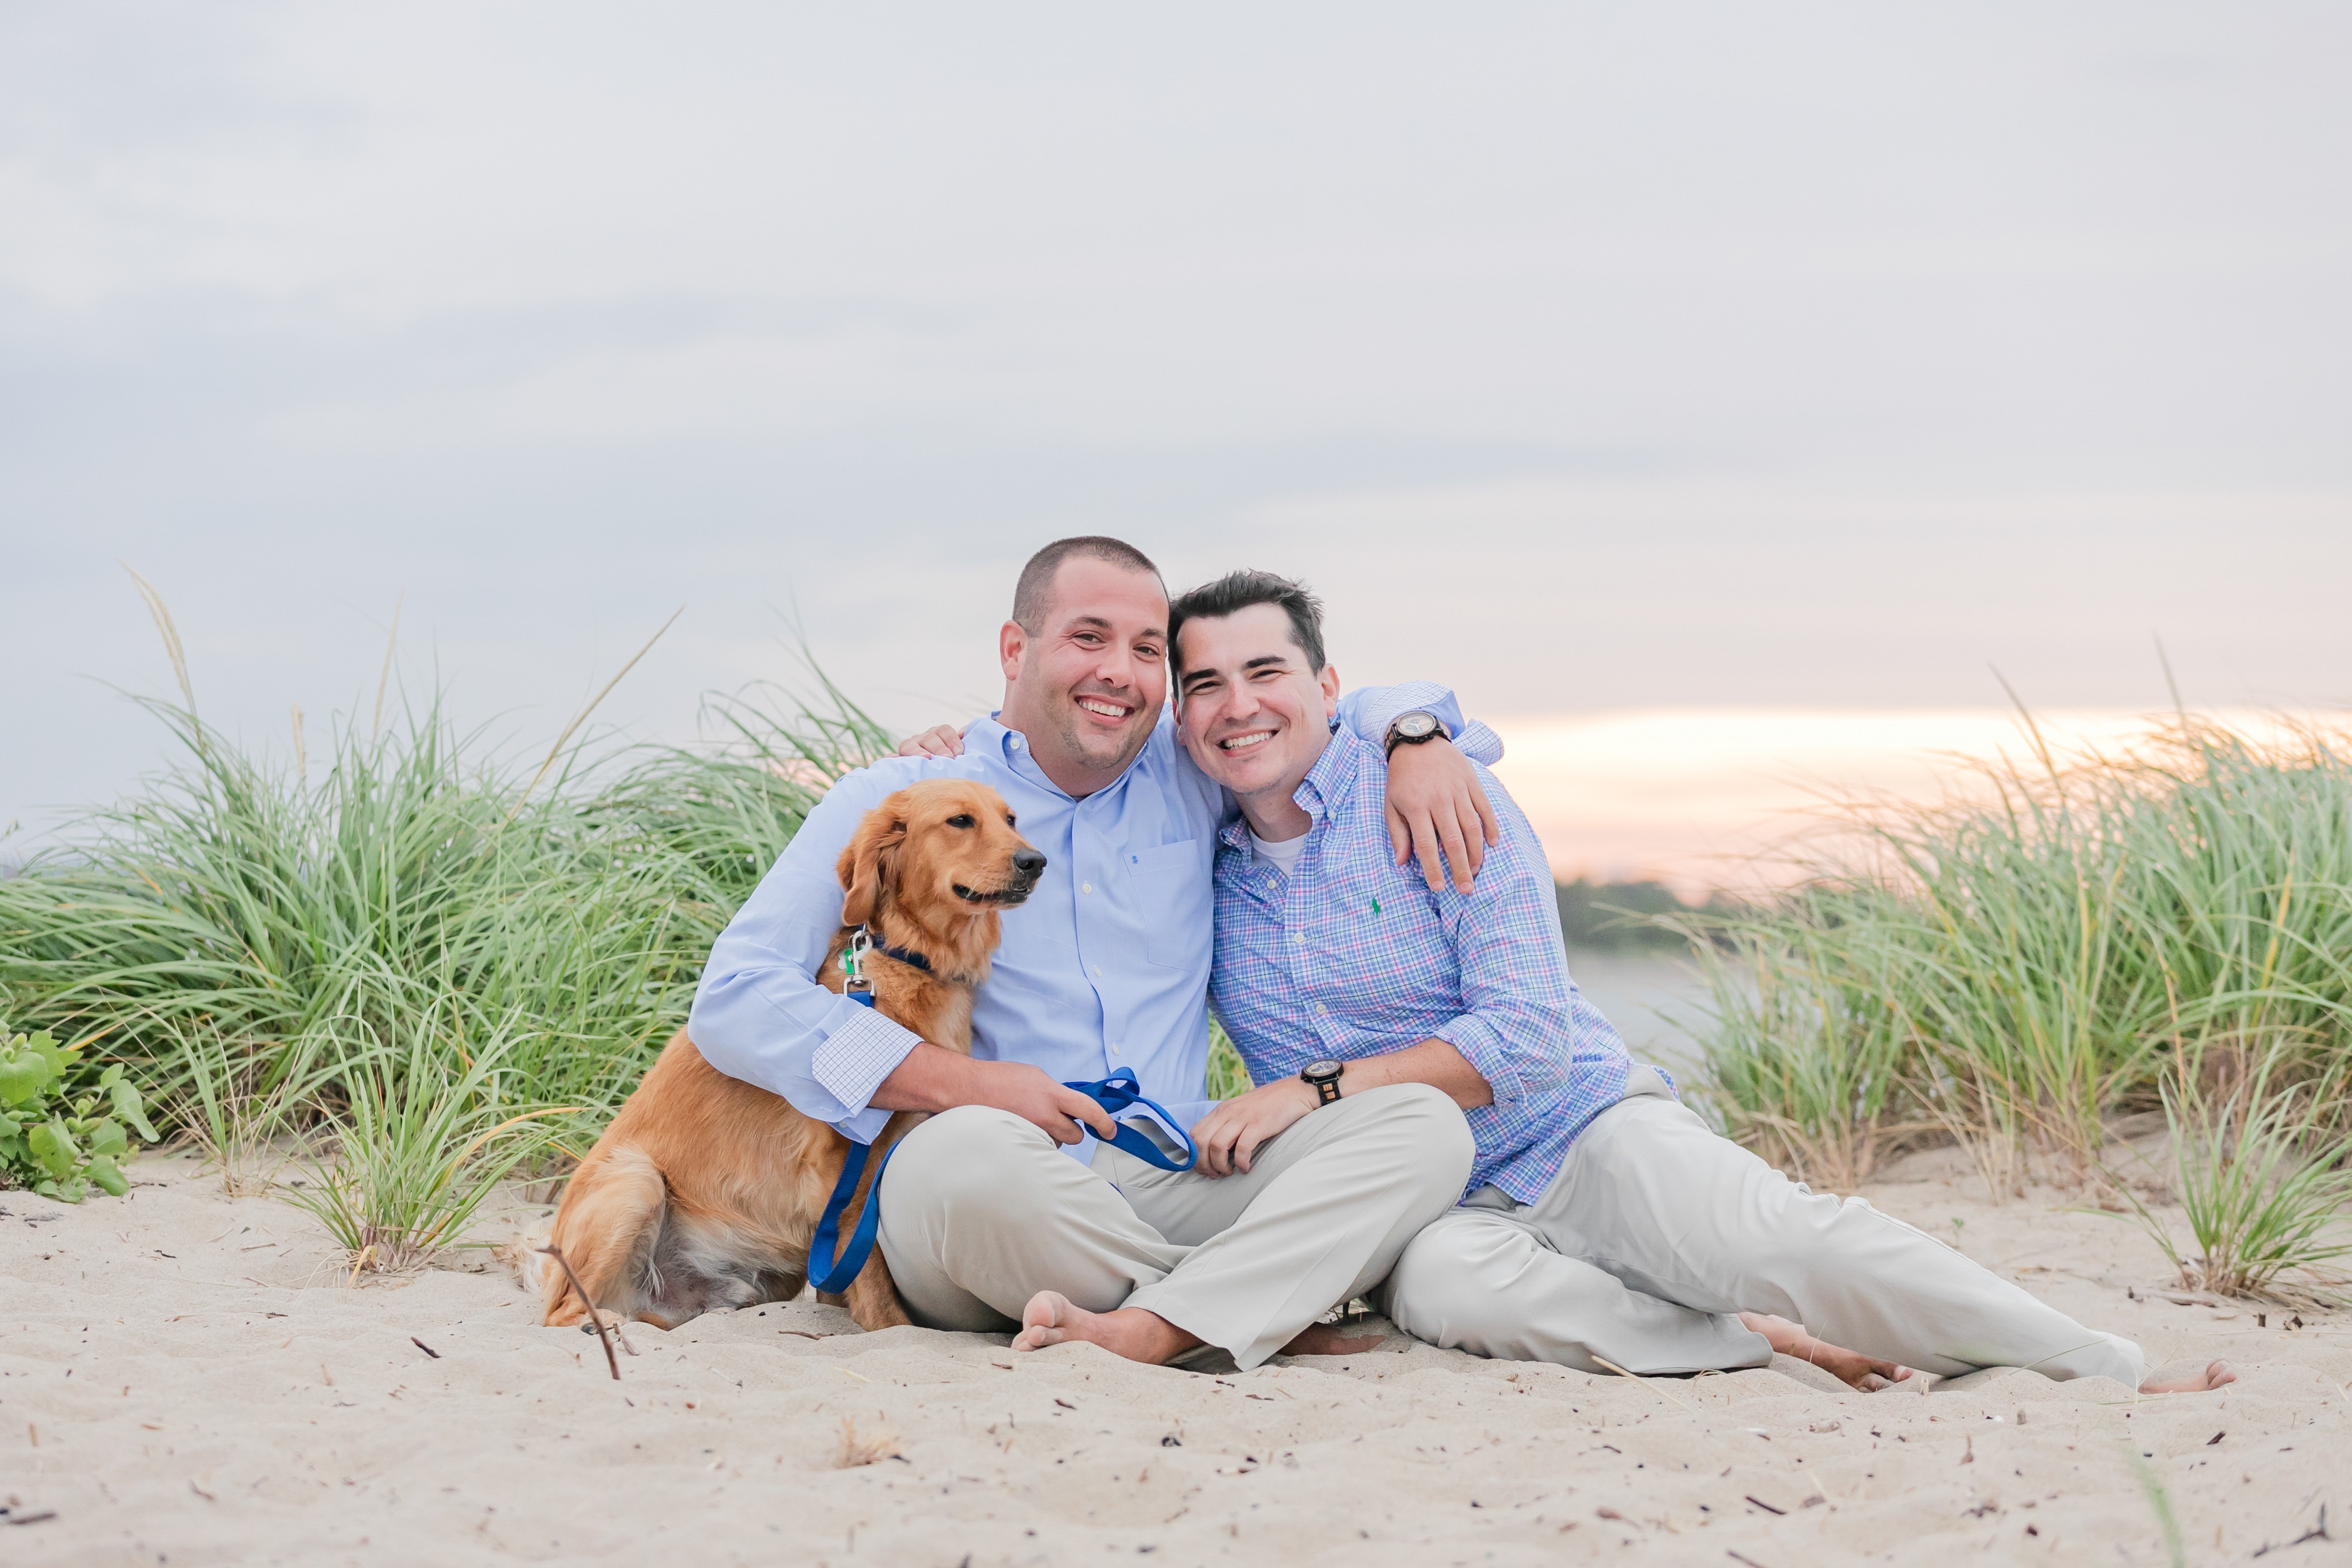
{"x": 1283, "y": 857}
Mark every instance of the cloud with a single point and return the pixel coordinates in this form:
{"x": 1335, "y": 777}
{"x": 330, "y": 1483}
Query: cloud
{"x": 1587, "y": 356}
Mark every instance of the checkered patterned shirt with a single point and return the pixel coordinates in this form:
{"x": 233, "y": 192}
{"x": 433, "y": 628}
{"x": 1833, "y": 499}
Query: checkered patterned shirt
{"x": 1353, "y": 956}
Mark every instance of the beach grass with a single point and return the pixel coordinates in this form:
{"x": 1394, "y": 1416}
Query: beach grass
{"x": 419, "y": 962}
{"x": 2069, "y": 939}
{"x": 366, "y": 961}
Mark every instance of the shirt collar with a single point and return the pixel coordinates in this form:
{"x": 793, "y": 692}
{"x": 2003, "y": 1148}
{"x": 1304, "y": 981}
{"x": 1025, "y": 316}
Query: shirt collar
{"x": 991, "y": 733}
{"x": 1012, "y": 748}
{"x": 1333, "y": 776}
{"x": 1326, "y": 786}
{"x": 990, "y": 737}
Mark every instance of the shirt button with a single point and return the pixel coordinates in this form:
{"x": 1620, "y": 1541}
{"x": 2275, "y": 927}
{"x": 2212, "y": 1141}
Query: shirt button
{"x": 1319, "y": 1006}
{"x": 1097, "y": 971}
{"x": 1086, "y": 886}
{"x": 1114, "y": 1048}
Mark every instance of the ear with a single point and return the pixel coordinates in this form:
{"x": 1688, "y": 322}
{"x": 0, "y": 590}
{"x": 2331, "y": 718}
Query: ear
{"x": 1328, "y": 683}
{"x": 867, "y": 859}
{"x": 1012, "y": 641}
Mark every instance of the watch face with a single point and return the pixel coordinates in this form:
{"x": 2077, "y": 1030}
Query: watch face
{"x": 1321, "y": 1069}
{"x": 1415, "y": 725}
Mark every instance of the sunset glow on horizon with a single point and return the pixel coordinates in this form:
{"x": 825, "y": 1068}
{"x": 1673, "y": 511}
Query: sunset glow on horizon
{"x": 1717, "y": 797}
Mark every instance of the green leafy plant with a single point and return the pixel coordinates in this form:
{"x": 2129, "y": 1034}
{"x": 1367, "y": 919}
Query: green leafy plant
{"x": 57, "y": 1143}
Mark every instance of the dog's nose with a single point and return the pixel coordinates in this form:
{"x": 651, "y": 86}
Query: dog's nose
{"x": 1028, "y": 862}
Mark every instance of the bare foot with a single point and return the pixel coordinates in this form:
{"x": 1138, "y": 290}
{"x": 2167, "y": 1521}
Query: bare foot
{"x": 1052, "y": 1318}
{"x": 1852, "y": 1367}
{"x": 1326, "y": 1339}
{"x": 2217, "y": 1374}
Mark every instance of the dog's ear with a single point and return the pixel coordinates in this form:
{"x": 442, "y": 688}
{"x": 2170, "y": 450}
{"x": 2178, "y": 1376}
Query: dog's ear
{"x": 872, "y": 852}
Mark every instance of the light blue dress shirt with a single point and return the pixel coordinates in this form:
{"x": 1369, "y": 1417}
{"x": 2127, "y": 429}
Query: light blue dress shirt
{"x": 1105, "y": 966}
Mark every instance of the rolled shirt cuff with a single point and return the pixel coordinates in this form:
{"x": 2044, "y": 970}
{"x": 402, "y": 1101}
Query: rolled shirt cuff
{"x": 853, "y": 1060}
{"x": 1482, "y": 1046}
{"x": 1479, "y": 743}
{"x": 1378, "y": 708}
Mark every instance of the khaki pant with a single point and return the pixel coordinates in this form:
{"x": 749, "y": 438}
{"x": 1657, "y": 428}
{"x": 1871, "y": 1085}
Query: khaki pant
{"x": 1657, "y": 1232}
{"x": 981, "y": 1210}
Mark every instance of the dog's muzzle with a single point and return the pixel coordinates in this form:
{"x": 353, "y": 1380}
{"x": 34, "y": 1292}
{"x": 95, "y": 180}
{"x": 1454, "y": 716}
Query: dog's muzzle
{"x": 1028, "y": 865}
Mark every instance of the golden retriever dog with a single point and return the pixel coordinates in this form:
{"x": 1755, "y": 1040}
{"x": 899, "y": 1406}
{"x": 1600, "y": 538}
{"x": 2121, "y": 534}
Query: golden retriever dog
{"x": 705, "y": 1190}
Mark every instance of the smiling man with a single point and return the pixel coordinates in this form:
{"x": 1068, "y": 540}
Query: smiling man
{"x": 1605, "y": 1225}
{"x": 1104, "y": 967}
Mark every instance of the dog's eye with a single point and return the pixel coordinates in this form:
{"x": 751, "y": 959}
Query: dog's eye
{"x": 1008, "y": 820}
{"x": 960, "y": 819}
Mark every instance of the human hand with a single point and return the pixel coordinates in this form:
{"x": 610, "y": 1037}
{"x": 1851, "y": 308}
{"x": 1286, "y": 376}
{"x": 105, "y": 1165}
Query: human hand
{"x": 1228, "y": 1136}
{"x": 938, "y": 741}
{"x": 1434, "y": 804}
{"x": 1037, "y": 1098}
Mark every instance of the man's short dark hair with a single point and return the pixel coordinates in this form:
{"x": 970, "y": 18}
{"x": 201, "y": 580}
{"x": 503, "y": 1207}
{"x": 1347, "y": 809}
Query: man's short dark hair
{"x": 1237, "y": 591}
{"x": 1035, "y": 589}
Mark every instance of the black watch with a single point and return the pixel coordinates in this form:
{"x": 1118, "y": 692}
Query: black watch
{"x": 1415, "y": 729}
{"x": 1324, "y": 1078}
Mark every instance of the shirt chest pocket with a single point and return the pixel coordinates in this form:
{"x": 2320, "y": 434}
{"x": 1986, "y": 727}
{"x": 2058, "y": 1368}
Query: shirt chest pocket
{"x": 1171, "y": 895}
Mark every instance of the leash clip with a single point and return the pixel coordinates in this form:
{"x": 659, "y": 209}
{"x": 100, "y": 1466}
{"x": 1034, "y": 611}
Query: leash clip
{"x": 855, "y": 984}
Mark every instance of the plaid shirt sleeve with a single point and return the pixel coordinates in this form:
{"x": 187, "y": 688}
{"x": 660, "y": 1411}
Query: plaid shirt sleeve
{"x": 1370, "y": 710}
{"x": 1514, "y": 986}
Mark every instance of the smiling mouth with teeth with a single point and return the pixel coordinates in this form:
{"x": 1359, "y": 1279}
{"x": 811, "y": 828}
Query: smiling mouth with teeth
{"x": 1107, "y": 710}
{"x": 1003, "y": 897}
{"x": 1243, "y": 742}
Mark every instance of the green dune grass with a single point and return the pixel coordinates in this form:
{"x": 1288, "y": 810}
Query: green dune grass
{"x": 294, "y": 957}
{"x": 2170, "y": 929}
{"x": 380, "y": 983}
{"x": 414, "y": 967}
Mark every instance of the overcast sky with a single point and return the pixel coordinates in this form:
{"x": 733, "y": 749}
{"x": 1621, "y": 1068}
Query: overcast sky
{"x": 1590, "y": 357}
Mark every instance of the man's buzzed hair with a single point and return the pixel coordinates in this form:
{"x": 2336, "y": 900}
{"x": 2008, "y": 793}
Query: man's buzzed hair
{"x": 1237, "y": 591}
{"x": 1036, "y": 584}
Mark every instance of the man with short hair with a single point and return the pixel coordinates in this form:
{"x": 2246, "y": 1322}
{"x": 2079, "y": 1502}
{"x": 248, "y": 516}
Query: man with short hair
{"x": 1104, "y": 967}
{"x": 1605, "y": 1227}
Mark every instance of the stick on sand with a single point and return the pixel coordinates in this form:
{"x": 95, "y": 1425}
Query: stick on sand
{"x": 601, "y": 1338}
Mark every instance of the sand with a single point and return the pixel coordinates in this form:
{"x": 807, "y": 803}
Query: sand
{"x": 187, "y": 1378}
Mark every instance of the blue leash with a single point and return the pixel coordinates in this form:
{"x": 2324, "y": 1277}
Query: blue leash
{"x": 1118, "y": 1092}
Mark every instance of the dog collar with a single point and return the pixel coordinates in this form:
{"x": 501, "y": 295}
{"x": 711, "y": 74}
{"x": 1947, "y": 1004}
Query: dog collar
{"x": 861, "y": 942}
